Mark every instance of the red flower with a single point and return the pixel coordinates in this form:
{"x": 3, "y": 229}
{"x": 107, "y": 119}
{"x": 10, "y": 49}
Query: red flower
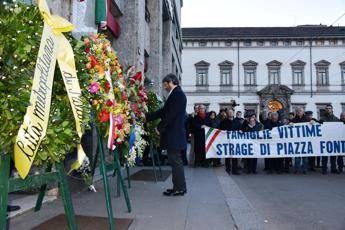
{"x": 107, "y": 87}
{"x": 103, "y": 116}
{"x": 87, "y": 50}
{"x": 138, "y": 76}
{"x": 109, "y": 103}
{"x": 93, "y": 61}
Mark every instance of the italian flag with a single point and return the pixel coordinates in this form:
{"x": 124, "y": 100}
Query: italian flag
{"x": 210, "y": 136}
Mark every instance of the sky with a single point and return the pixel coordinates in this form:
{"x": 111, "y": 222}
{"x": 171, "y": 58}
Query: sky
{"x": 242, "y": 13}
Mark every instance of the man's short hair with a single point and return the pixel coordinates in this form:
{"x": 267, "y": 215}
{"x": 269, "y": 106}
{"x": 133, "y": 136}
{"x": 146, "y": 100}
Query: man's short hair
{"x": 171, "y": 78}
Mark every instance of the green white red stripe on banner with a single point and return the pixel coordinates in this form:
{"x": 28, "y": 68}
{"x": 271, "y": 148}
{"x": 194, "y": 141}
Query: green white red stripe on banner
{"x": 210, "y": 136}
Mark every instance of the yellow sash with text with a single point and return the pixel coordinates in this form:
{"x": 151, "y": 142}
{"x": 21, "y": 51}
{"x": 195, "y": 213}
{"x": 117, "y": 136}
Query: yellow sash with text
{"x": 53, "y": 47}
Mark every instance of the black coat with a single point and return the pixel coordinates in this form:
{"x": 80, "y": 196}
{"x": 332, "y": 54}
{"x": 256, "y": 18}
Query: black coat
{"x": 238, "y": 123}
{"x": 213, "y": 123}
{"x": 172, "y": 126}
{"x": 227, "y": 125}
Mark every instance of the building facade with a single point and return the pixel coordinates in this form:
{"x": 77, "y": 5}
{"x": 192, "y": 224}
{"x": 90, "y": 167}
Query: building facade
{"x": 148, "y": 34}
{"x": 265, "y": 68}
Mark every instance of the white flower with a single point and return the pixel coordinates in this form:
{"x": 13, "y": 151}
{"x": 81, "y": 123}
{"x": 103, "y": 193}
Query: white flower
{"x": 139, "y": 145}
{"x": 15, "y": 67}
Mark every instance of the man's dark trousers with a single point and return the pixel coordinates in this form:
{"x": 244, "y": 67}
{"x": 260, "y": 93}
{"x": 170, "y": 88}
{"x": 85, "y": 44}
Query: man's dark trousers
{"x": 325, "y": 162}
{"x": 178, "y": 178}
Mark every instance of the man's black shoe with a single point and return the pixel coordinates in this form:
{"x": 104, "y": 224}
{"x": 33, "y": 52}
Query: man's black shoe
{"x": 12, "y": 208}
{"x": 170, "y": 192}
{"x": 236, "y": 173}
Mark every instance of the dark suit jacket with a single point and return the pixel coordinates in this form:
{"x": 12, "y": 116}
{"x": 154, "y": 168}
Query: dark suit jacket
{"x": 172, "y": 126}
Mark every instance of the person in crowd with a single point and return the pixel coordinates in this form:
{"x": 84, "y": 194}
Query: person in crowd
{"x": 273, "y": 164}
{"x": 199, "y": 136}
{"x": 252, "y": 126}
{"x": 291, "y": 115}
{"x": 238, "y": 124}
{"x": 329, "y": 117}
{"x": 300, "y": 118}
{"x": 238, "y": 121}
{"x": 172, "y": 132}
{"x": 190, "y": 133}
{"x": 264, "y": 119}
{"x": 213, "y": 122}
{"x": 286, "y": 161}
{"x": 311, "y": 160}
{"x": 231, "y": 165}
{"x": 222, "y": 115}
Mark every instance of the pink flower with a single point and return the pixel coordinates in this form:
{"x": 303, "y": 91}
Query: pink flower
{"x": 94, "y": 87}
{"x": 118, "y": 121}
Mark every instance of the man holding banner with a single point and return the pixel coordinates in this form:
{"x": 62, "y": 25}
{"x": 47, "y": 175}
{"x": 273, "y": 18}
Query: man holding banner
{"x": 329, "y": 117}
{"x": 300, "y": 118}
{"x": 231, "y": 165}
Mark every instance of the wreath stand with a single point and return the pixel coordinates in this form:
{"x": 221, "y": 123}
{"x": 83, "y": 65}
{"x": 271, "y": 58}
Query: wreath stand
{"x": 8, "y": 185}
{"x": 104, "y": 169}
{"x": 154, "y": 154}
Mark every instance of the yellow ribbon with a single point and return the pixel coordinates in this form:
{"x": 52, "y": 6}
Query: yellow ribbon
{"x": 53, "y": 47}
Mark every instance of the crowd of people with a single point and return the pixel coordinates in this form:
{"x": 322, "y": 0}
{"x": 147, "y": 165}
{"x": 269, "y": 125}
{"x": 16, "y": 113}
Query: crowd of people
{"x": 228, "y": 120}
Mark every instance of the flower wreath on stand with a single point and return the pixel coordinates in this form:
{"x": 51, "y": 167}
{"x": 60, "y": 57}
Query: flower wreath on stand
{"x": 106, "y": 90}
{"x": 21, "y": 30}
{"x": 137, "y": 97}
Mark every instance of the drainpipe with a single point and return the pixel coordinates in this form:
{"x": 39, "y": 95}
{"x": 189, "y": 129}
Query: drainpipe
{"x": 101, "y": 12}
{"x": 311, "y": 68}
{"x": 238, "y": 68}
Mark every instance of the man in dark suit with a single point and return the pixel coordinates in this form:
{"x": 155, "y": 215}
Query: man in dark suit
{"x": 173, "y": 132}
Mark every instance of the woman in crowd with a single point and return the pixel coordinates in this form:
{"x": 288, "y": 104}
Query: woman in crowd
{"x": 251, "y": 126}
{"x": 199, "y": 137}
{"x": 213, "y": 122}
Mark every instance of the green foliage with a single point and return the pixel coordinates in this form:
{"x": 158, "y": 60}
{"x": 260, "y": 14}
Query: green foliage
{"x": 21, "y": 27}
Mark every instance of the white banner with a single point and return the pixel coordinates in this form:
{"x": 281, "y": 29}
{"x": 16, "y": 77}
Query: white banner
{"x": 297, "y": 140}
